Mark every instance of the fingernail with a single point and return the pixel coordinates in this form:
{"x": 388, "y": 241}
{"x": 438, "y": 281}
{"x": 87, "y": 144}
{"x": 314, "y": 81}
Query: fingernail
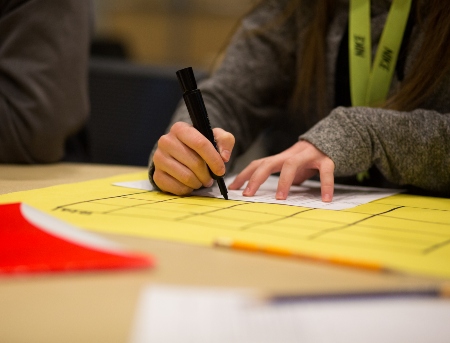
{"x": 280, "y": 196}
{"x": 210, "y": 183}
{"x": 326, "y": 197}
{"x": 226, "y": 155}
{"x": 246, "y": 191}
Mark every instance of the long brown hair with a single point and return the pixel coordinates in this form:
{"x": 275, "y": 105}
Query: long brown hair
{"x": 428, "y": 69}
{"x": 432, "y": 61}
{"x": 311, "y": 78}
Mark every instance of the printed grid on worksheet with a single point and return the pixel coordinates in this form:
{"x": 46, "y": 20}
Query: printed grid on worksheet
{"x": 376, "y": 226}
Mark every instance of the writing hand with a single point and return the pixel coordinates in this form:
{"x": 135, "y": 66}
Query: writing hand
{"x": 296, "y": 164}
{"x": 183, "y": 154}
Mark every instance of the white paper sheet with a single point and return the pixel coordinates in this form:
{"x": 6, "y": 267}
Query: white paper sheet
{"x": 170, "y": 314}
{"x": 306, "y": 195}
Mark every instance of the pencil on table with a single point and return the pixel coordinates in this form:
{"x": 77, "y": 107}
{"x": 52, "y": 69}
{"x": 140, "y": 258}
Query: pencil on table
{"x": 229, "y": 243}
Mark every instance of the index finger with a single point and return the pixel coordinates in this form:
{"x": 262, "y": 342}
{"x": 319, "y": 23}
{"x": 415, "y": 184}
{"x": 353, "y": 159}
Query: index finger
{"x": 201, "y": 145}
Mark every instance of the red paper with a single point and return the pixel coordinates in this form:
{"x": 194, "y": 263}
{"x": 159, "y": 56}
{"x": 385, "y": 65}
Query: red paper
{"x": 32, "y": 241}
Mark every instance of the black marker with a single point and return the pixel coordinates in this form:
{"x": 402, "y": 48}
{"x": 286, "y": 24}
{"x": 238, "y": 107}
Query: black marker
{"x": 199, "y": 117}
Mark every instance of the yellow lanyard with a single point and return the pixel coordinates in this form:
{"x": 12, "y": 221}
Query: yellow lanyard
{"x": 369, "y": 85}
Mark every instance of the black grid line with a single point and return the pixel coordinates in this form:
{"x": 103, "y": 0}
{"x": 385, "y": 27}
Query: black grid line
{"x": 351, "y": 233}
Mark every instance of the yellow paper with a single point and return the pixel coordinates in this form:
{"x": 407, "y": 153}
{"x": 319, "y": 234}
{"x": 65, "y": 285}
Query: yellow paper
{"x": 404, "y": 232}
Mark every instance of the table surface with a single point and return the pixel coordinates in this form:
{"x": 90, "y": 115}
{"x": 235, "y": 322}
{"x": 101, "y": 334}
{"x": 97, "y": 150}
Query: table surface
{"x": 100, "y": 306}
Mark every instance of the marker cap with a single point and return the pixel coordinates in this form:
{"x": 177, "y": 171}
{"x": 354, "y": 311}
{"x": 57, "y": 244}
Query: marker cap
{"x": 187, "y": 79}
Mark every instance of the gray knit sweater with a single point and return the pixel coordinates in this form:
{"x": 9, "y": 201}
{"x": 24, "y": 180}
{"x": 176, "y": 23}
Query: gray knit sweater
{"x": 250, "y": 91}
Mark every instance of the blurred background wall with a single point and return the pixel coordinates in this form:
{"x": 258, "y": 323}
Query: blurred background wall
{"x": 168, "y": 32}
{"x": 138, "y": 46}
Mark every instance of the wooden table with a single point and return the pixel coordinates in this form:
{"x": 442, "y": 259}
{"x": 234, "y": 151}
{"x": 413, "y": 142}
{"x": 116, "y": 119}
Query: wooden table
{"x": 100, "y": 306}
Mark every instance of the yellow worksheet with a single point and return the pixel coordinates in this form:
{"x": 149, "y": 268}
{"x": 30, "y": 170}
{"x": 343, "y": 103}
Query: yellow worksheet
{"x": 403, "y": 232}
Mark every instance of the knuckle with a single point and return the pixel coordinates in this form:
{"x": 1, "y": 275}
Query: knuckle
{"x": 163, "y": 141}
{"x": 291, "y": 162}
{"x": 187, "y": 178}
{"x": 256, "y": 163}
{"x": 182, "y": 190}
{"x": 157, "y": 157}
{"x": 198, "y": 164}
{"x": 256, "y": 179}
{"x": 330, "y": 164}
{"x": 327, "y": 165}
{"x": 166, "y": 185}
{"x": 261, "y": 167}
{"x": 178, "y": 127}
{"x": 283, "y": 183}
{"x": 158, "y": 178}
{"x": 200, "y": 143}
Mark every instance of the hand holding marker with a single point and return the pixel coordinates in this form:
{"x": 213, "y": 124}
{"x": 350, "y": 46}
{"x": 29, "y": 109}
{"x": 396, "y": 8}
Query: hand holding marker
{"x": 199, "y": 117}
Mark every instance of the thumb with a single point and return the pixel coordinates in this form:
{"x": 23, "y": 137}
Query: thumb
{"x": 225, "y": 143}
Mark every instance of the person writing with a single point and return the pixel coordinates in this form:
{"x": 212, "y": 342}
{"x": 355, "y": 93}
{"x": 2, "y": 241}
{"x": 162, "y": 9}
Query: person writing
{"x": 341, "y": 87}
{"x": 44, "y": 51}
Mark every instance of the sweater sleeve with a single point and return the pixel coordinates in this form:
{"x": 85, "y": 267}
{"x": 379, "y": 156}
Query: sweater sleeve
{"x": 252, "y": 85}
{"x": 44, "y": 50}
{"x": 409, "y": 148}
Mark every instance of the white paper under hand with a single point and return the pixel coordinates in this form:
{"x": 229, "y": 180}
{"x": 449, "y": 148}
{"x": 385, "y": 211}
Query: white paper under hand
{"x": 306, "y": 195}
